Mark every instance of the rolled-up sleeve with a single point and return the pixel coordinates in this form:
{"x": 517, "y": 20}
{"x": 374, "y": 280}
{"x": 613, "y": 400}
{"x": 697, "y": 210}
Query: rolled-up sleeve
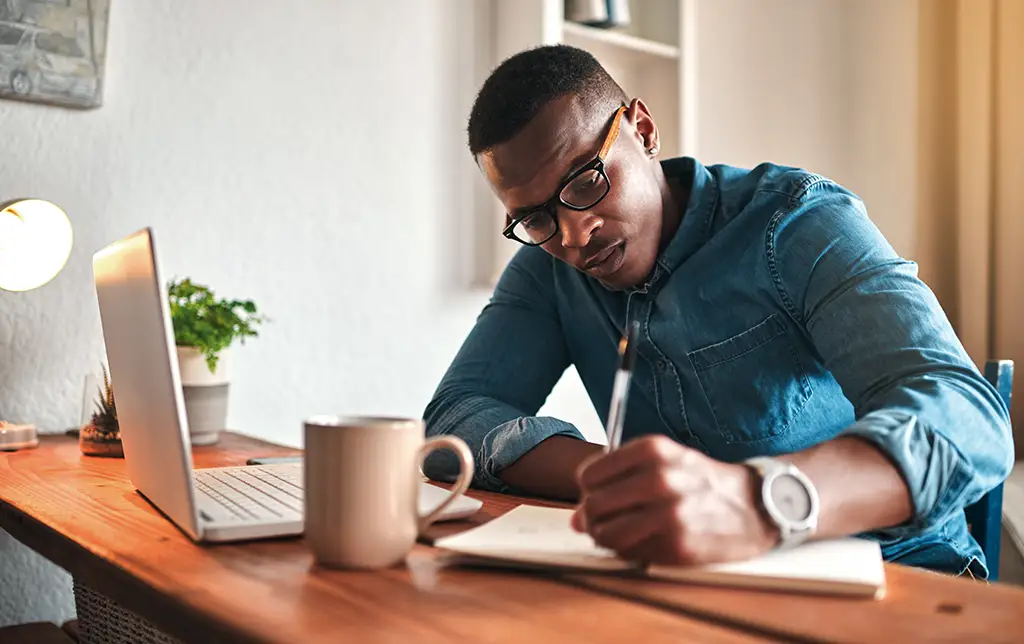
{"x": 501, "y": 376}
{"x": 882, "y": 334}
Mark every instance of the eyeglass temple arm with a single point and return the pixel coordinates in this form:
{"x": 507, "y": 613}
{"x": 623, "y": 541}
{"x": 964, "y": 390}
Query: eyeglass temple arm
{"x": 613, "y": 133}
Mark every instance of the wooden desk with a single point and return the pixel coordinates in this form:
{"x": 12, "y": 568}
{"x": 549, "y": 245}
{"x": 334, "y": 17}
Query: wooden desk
{"x": 83, "y": 514}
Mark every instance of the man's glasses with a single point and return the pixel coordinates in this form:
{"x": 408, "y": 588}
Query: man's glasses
{"x": 582, "y": 190}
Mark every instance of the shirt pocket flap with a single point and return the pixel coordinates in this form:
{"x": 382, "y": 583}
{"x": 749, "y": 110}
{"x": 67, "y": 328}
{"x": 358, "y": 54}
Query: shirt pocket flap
{"x": 753, "y": 382}
{"x": 738, "y": 345}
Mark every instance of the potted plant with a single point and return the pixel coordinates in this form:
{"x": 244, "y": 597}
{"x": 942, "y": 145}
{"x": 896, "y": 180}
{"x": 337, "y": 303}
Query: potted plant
{"x": 102, "y": 435}
{"x": 205, "y": 327}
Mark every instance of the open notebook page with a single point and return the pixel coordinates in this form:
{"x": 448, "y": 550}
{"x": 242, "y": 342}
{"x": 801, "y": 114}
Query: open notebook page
{"x": 535, "y": 536}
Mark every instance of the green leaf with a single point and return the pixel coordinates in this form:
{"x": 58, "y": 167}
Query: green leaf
{"x": 201, "y": 320}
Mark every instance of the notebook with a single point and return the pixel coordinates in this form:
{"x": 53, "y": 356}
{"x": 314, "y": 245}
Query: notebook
{"x": 532, "y": 537}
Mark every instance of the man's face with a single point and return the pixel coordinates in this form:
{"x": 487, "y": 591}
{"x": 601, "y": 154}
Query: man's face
{"x": 617, "y": 240}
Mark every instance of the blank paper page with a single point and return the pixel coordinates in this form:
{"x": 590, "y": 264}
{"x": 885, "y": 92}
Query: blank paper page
{"x": 534, "y": 534}
{"x": 543, "y": 536}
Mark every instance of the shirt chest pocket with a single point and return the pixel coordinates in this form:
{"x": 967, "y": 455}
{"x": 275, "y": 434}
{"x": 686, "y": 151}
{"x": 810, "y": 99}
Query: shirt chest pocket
{"x": 753, "y": 382}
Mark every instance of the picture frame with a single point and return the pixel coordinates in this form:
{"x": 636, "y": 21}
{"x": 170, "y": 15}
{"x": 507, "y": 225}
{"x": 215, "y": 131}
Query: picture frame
{"x": 53, "y": 51}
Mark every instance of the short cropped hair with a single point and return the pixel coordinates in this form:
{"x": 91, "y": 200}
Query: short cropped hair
{"x": 522, "y": 85}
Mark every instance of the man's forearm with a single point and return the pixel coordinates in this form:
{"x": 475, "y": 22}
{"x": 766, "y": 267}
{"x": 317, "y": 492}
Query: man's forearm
{"x": 860, "y": 489}
{"x": 549, "y": 469}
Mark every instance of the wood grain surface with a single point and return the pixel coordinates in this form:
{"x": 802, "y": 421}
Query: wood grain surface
{"x": 83, "y": 514}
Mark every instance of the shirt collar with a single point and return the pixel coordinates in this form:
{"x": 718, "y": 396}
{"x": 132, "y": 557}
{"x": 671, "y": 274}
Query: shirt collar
{"x": 695, "y": 225}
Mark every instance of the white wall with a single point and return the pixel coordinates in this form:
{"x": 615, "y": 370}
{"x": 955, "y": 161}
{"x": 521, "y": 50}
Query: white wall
{"x": 304, "y": 157}
{"x": 827, "y": 85}
{"x": 283, "y": 155}
{"x": 31, "y": 588}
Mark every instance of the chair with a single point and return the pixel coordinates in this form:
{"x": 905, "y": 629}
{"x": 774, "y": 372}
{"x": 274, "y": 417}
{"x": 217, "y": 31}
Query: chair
{"x": 985, "y": 518}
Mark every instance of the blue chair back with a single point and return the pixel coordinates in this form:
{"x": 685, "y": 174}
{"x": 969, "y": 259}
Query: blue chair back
{"x": 985, "y": 518}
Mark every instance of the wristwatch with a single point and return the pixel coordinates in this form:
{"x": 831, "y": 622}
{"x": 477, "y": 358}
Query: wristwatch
{"x": 788, "y": 498}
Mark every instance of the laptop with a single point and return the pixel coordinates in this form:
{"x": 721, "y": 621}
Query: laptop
{"x": 209, "y": 504}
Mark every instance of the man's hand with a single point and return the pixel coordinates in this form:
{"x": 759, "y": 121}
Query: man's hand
{"x": 656, "y": 501}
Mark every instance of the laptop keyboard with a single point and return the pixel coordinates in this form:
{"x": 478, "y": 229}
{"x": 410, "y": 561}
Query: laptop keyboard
{"x": 251, "y": 493}
{"x": 262, "y": 493}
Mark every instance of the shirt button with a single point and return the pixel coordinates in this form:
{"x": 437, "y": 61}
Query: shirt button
{"x": 660, "y": 365}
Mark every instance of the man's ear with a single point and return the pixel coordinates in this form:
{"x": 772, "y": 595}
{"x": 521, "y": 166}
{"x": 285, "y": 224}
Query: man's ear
{"x": 644, "y": 126}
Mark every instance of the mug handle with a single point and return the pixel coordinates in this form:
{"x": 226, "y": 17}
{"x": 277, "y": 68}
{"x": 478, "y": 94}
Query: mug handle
{"x": 461, "y": 450}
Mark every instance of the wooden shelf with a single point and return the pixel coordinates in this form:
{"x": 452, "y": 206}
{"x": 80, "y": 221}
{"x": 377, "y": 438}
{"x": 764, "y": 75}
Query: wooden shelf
{"x": 604, "y": 42}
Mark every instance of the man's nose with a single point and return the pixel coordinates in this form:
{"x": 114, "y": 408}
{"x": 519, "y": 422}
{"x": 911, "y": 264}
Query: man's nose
{"x": 578, "y": 227}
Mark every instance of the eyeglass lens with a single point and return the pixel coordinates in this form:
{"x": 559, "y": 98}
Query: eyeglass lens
{"x": 581, "y": 193}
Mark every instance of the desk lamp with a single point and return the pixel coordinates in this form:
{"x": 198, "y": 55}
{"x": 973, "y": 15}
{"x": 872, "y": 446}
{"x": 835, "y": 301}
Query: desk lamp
{"x": 35, "y": 241}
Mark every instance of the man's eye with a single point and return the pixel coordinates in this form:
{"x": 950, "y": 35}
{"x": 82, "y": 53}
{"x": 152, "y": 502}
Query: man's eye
{"x": 589, "y": 181}
{"x": 533, "y": 222}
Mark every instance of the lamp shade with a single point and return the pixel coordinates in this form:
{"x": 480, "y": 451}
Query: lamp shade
{"x": 35, "y": 241}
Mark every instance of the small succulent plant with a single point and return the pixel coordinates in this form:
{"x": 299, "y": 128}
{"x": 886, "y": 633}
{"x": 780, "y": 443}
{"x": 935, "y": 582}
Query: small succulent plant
{"x": 104, "y": 419}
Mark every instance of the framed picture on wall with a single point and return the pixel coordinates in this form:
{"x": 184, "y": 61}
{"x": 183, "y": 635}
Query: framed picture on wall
{"x": 53, "y": 51}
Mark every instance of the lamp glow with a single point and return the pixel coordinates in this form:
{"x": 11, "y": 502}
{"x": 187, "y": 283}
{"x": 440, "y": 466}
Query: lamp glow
{"x": 35, "y": 242}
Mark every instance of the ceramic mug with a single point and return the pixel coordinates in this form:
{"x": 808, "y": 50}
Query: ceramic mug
{"x": 362, "y": 481}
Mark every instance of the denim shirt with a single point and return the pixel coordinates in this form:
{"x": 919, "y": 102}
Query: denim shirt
{"x": 777, "y": 318}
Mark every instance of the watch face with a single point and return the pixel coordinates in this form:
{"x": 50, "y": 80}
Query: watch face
{"x": 791, "y": 498}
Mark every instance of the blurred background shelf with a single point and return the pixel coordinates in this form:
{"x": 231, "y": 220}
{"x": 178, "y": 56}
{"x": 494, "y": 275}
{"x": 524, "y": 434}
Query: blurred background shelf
{"x": 606, "y": 43}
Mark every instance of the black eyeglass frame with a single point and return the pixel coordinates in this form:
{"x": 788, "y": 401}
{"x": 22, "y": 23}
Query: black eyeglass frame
{"x": 550, "y": 207}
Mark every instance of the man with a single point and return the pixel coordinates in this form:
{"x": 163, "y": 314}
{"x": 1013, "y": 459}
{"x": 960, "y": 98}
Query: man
{"x": 776, "y": 321}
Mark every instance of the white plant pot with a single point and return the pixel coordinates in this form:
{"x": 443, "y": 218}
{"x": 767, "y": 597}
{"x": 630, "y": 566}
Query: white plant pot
{"x": 205, "y": 393}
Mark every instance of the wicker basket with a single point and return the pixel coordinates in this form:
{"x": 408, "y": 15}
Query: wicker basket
{"x": 102, "y": 620}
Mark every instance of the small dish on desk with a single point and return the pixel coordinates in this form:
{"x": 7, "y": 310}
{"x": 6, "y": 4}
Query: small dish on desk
{"x": 14, "y": 436}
